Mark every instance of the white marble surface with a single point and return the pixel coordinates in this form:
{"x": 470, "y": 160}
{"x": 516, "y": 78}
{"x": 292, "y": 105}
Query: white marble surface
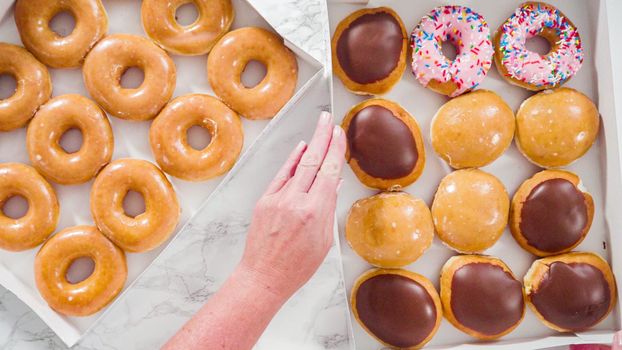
{"x": 206, "y": 251}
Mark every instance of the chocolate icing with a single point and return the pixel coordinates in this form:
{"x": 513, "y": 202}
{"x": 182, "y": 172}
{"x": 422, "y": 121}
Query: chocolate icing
{"x": 485, "y": 298}
{"x": 369, "y": 49}
{"x": 573, "y": 296}
{"x": 554, "y": 215}
{"x": 382, "y": 144}
{"x": 396, "y": 309}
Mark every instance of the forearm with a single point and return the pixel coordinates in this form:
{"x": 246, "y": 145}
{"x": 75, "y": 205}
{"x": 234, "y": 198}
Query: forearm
{"x": 234, "y": 317}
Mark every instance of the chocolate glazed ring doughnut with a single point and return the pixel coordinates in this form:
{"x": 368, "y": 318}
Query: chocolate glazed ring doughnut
{"x": 170, "y": 146}
{"x": 401, "y": 309}
{"x": 34, "y": 86}
{"x": 481, "y": 296}
{"x": 227, "y": 61}
{"x": 198, "y": 38}
{"x": 385, "y": 148}
{"x": 32, "y": 18}
{"x": 147, "y": 230}
{"x": 57, "y": 116}
{"x": 551, "y": 213}
{"x": 93, "y": 293}
{"x": 42, "y": 216}
{"x": 570, "y": 292}
{"x": 369, "y": 50}
{"x": 107, "y": 62}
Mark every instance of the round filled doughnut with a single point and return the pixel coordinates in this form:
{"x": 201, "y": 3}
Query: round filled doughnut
{"x": 390, "y": 229}
{"x": 472, "y": 130}
{"x": 385, "y": 147}
{"x": 551, "y": 213}
{"x": 556, "y": 127}
{"x": 481, "y": 296}
{"x": 470, "y": 210}
{"x": 399, "y": 308}
{"x": 170, "y": 146}
{"x": 469, "y": 33}
{"x": 53, "y": 119}
{"x": 40, "y": 220}
{"x": 147, "y": 230}
{"x": 198, "y": 38}
{"x": 531, "y": 70}
{"x": 33, "y": 86}
{"x": 570, "y": 292}
{"x": 114, "y": 55}
{"x": 228, "y": 59}
{"x": 32, "y": 18}
{"x": 369, "y": 50}
{"x": 91, "y": 294}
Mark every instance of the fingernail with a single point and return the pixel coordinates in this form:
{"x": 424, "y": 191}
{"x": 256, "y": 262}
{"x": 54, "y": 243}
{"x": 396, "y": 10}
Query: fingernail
{"x": 300, "y": 145}
{"x": 337, "y": 130}
{"x": 324, "y": 117}
{"x": 339, "y": 184}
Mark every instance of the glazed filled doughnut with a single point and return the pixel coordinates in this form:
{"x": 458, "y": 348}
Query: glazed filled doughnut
{"x": 107, "y": 62}
{"x": 97, "y": 290}
{"x": 570, "y": 292}
{"x": 529, "y": 69}
{"x": 385, "y": 148}
{"x": 470, "y": 210}
{"x": 551, "y": 213}
{"x": 33, "y": 86}
{"x": 147, "y": 230}
{"x": 57, "y": 116}
{"x": 198, "y": 38}
{"x": 399, "y": 308}
{"x": 32, "y": 18}
{"x": 170, "y": 146}
{"x": 42, "y": 216}
{"x": 472, "y": 130}
{"x": 469, "y": 33}
{"x": 369, "y": 50}
{"x": 390, "y": 229}
{"x": 556, "y": 127}
{"x": 229, "y": 57}
{"x": 481, "y": 296}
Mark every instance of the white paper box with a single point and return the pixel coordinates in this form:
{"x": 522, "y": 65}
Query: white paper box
{"x": 599, "y": 168}
{"x": 131, "y": 140}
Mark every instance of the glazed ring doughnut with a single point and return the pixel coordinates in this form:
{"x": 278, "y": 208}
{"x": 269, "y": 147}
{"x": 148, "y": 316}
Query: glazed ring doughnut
{"x": 148, "y": 230}
{"x": 59, "y": 115}
{"x": 107, "y": 62}
{"x": 32, "y": 18}
{"x": 97, "y": 290}
{"x": 34, "y": 86}
{"x": 230, "y": 56}
{"x": 40, "y": 221}
{"x": 198, "y": 38}
{"x": 170, "y": 146}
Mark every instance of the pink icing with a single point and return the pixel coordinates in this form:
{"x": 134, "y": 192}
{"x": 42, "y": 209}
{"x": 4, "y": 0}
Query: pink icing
{"x": 530, "y": 67}
{"x": 468, "y": 32}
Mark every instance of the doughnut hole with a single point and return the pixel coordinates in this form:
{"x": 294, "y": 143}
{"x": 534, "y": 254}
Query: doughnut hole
{"x": 132, "y": 78}
{"x": 198, "y": 137}
{"x": 449, "y": 50}
{"x": 15, "y": 206}
{"x": 133, "y": 203}
{"x": 538, "y": 44}
{"x": 80, "y": 269}
{"x": 63, "y": 23}
{"x": 8, "y": 85}
{"x": 71, "y": 140}
{"x": 254, "y": 72}
{"x": 187, "y": 14}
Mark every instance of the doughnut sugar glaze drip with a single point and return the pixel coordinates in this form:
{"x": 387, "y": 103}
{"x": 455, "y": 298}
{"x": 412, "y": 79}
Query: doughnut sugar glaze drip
{"x": 465, "y": 29}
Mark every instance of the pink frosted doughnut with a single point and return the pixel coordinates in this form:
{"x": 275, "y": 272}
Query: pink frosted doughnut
{"x": 469, "y": 33}
{"x": 530, "y": 69}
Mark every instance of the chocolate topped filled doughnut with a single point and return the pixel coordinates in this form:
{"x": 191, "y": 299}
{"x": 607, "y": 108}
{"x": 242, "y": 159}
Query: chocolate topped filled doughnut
{"x": 397, "y": 307}
{"x": 385, "y": 147}
{"x": 550, "y": 213}
{"x": 571, "y": 292}
{"x": 369, "y": 50}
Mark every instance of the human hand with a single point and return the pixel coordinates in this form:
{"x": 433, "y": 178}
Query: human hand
{"x": 292, "y": 226}
{"x": 615, "y": 345}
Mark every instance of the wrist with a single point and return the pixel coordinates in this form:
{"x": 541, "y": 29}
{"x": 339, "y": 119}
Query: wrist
{"x": 265, "y": 280}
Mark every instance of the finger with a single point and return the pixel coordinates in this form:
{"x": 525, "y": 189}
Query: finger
{"x": 617, "y": 341}
{"x": 327, "y": 179}
{"x": 287, "y": 170}
{"x": 314, "y": 155}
